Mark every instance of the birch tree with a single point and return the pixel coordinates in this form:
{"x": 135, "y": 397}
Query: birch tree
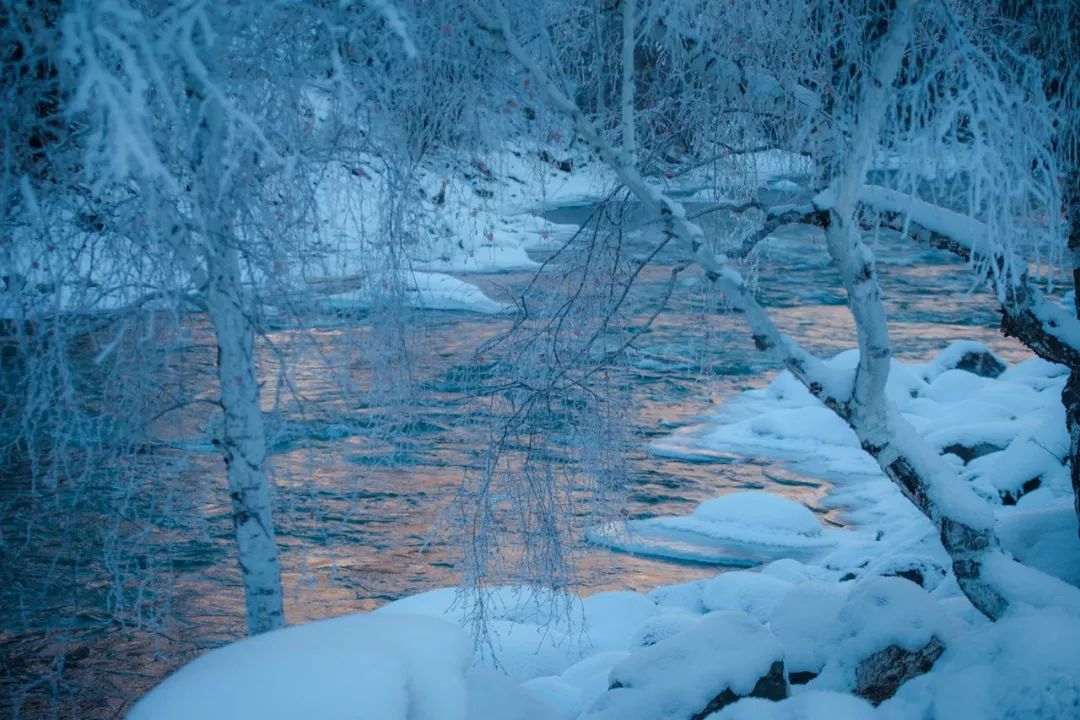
{"x": 162, "y": 115}
{"x": 183, "y": 151}
{"x": 189, "y": 146}
{"x": 887, "y": 79}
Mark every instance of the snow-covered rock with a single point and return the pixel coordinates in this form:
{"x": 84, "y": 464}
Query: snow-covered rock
{"x": 969, "y": 356}
{"x": 811, "y": 705}
{"x": 1025, "y": 665}
{"x": 888, "y": 631}
{"x": 724, "y": 656}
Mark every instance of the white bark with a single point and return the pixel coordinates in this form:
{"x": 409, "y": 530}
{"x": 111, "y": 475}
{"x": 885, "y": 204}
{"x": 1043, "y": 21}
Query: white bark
{"x": 853, "y": 258}
{"x": 243, "y": 439}
{"x": 964, "y": 520}
{"x": 243, "y": 442}
{"x": 627, "y": 96}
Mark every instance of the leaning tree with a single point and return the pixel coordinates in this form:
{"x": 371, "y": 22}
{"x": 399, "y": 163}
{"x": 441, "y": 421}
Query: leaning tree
{"x": 925, "y": 87}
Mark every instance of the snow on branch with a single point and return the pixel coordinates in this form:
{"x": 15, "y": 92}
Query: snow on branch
{"x": 1041, "y": 324}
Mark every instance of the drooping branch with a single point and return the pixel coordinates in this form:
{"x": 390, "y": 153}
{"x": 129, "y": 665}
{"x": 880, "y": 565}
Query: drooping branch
{"x": 811, "y": 370}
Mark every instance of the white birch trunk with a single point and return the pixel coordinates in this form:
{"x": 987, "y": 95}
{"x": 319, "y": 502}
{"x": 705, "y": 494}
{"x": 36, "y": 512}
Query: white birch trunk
{"x": 627, "y": 95}
{"x": 243, "y": 442}
{"x": 243, "y": 438}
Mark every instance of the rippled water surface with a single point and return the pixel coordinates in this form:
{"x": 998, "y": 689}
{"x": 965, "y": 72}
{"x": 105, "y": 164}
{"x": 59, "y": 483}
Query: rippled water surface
{"x": 365, "y": 478}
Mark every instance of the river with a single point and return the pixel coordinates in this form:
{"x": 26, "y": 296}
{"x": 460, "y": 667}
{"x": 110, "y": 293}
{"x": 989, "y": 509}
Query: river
{"x": 370, "y": 445}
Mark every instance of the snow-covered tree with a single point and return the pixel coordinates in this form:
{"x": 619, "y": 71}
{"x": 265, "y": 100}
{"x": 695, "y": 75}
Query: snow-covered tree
{"x": 921, "y": 90}
{"x": 169, "y": 157}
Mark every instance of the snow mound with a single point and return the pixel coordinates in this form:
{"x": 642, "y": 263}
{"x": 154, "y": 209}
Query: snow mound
{"x": 349, "y": 668}
{"x": 742, "y": 529}
{"x": 755, "y": 594}
{"x": 426, "y": 291}
{"x": 748, "y": 512}
{"x": 677, "y": 677}
{"x": 1026, "y": 665}
{"x": 491, "y": 694}
{"x": 535, "y": 635}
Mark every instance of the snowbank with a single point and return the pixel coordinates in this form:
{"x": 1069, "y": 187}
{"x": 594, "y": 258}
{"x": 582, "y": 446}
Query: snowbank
{"x": 424, "y": 291}
{"x": 356, "y": 666}
{"x": 833, "y": 605}
{"x": 1002, "y": 427}
{"x": 740, "y": 529}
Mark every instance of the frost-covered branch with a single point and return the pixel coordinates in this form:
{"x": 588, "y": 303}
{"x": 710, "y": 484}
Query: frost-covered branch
{"x": 1041, "y": 324}
{"x": 766, "y": 335}
{"x": 964, "y": 520}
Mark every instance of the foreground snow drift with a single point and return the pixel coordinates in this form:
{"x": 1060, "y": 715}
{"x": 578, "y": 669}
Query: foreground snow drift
{"x": 356, "y": 667}
{"x": 347, "y": 667}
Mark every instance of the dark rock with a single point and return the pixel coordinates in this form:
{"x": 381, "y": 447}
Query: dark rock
{"x": 921, "y": 570}
{"x": 564, "y": 165}
{"x": 801, "y": 678}
{"x": 981, "y": 363}
{"x": 1009, "y": 497}
{"x": 913, "y": 574}
{"x": 879, "y": 675}
{"x": 771, "y": 687}
{"x": 969, "y": 453}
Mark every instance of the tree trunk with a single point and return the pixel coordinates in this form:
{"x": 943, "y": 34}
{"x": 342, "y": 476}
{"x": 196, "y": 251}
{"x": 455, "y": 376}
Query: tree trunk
{"x": 243, "y": 438}
{"x": 243, "y": 442}
{"x": 627, "y": 94}
{"x": 1070, "y": 396}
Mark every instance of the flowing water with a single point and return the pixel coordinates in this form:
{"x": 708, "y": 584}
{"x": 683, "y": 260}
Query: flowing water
{"x": 365, "y": 477}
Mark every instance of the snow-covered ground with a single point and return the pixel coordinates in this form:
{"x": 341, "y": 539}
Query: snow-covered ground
{"x": 826, "y": 603}
{"x": 483, "y": 216}
{"x": 424, "y": 226}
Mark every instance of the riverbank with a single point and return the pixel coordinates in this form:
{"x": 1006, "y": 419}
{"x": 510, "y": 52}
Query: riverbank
{"x": 876, "y": 597}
